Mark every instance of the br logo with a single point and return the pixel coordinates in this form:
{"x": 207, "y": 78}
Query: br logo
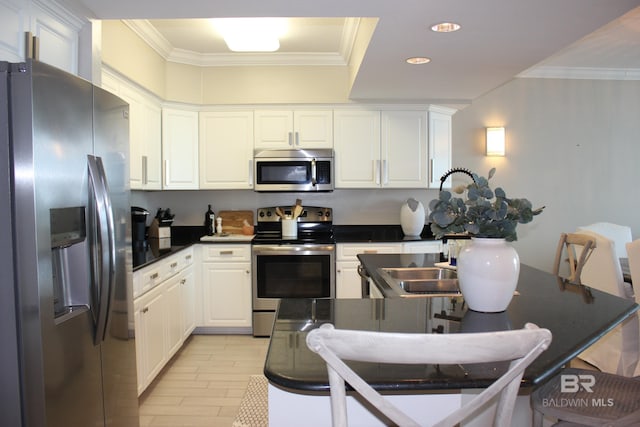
{"x": 570, "y": 383}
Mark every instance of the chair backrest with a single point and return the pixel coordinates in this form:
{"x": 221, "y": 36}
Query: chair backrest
{"x": 620, "y": 234}
{"x": 576, "y": 249}
{"x": 633, "y": 254}
{"x": 603, "y": 271}
{"x": 521, "y": 347}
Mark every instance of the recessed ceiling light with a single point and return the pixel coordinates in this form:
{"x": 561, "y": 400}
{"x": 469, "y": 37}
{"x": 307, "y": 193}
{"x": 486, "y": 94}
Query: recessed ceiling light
{"x": 445, "y": 27}
{"x": 417, "y": 60}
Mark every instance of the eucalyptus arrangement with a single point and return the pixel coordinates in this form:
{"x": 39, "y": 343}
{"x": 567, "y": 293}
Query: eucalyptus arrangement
{"x": 484, "y": 213}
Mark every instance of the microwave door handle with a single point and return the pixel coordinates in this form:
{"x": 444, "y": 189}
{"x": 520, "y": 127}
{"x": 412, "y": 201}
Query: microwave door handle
{"x": 314, "y": 176}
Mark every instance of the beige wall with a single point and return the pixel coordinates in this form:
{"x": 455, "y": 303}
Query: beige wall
{"x": 184, "y": 83}
{"x": 125, "y": 52}
{"x": 274, "y": 84}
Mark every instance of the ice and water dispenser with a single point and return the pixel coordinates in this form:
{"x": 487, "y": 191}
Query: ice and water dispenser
{"x": 70, "y": 261}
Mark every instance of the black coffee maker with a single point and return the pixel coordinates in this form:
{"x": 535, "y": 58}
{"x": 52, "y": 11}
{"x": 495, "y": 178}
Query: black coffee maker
{"x": 139, "y": 229}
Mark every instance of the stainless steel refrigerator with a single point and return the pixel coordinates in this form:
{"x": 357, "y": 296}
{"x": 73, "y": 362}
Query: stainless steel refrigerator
{"x": 67, "y": 352}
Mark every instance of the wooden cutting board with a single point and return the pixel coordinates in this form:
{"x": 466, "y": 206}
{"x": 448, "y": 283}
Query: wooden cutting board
{"x": 232, "y": 221}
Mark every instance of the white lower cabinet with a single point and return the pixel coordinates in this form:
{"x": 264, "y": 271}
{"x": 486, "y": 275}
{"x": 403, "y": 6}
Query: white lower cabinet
{"x": 348, "y": 282}
{"x": 226, "y": 286}
{"x": 150, "y": 336}
{"x": 163, "y": 312}
{"x": 188, "y": 291}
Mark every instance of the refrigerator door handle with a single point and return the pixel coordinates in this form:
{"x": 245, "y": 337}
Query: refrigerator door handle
{"x": 104, "y": 254}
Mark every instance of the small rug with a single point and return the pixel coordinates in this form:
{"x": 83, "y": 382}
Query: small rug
{"x": 254, "y": 409}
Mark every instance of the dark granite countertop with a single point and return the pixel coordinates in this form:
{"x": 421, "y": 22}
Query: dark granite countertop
{"x": 145, "y": 257}
{"x": 576, "y": 316}
{"x": 376, "y": 233}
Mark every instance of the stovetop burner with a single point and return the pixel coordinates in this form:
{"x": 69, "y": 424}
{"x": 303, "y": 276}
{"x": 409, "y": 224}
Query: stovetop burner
{"x": 315, "y": 226}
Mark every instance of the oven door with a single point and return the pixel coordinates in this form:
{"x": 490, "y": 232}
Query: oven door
{"x": 292, "y": 271}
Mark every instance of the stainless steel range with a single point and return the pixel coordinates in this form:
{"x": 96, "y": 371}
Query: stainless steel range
{"x": 291, "y": 267}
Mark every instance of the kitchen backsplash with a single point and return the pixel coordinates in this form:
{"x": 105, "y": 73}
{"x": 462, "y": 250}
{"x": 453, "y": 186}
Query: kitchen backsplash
{"x": 350, "y": 207}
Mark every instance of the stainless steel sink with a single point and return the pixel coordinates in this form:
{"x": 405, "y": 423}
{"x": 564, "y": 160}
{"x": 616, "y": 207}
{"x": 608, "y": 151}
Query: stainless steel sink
{"x": 421, "y": 281}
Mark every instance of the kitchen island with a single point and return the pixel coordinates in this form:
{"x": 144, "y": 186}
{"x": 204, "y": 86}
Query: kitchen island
{"x": 577, "y": 317}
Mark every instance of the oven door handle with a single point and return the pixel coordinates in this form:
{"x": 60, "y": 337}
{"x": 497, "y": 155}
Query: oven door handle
{"x": 314, "y": 172}
{"x": 293, "y": 249}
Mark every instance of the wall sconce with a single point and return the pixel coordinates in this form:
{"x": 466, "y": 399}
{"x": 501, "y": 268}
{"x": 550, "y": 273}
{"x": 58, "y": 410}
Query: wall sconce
{"x": 495, "y": 141}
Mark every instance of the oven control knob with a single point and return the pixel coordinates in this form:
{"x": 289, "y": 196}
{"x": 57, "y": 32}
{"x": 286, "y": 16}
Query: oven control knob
{"x": 261, "y": 214}
{"x": 268, "y": 213}
{"x": 327, "y": 214}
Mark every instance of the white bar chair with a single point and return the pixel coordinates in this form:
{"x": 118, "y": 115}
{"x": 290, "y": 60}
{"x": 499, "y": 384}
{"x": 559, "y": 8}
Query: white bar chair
{"x": 620, "y": 234}
{"x": 521, "y": 347}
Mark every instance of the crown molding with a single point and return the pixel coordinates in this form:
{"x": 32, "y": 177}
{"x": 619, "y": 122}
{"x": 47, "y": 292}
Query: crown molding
{"x": 586, "y": 73}
{"x": 150, "y": 36}
{"x": 161, "y": 45}
{"x": 253, "y": 59}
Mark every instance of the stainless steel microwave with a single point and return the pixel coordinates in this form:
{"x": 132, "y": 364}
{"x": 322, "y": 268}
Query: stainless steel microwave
{"x": 293, "y": 170}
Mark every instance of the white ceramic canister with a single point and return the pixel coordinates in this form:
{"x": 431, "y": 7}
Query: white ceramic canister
{"x": 289, "y": 227}
{"x": 412, "y": 217}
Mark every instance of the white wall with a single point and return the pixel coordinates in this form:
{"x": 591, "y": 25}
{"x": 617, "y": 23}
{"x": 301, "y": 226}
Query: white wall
{"x": 572, "y": 145}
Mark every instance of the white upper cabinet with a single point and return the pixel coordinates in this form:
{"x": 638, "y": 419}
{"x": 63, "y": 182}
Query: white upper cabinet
{"x": 226, "y": 150}
{"x": 286, "y": 129}
{"x": 14, "y": 23}
{"x": 404, "y": 149}
{"x": 145, "y": 139}
{"x": 357, "y": 148}
{"x": 145, "y": 133}
{"x": 58, "y": 32}
{"x": 389, "y": 148}
{"x": 180, "y": 149}
{"x": 439, "y": 145}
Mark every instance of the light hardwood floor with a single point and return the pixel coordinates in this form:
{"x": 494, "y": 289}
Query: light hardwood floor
{"x": 204, "y": 382}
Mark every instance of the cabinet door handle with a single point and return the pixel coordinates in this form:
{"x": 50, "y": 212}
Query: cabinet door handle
{"x": 174, "y": 264}
{"x": 187, "y": 257}
{"x": 154, "y": 276}
{"x": 298, "y": 138}
{"x": 183, "y": 281}
{"x": 146, "y": 309}
{"x": 166, "y": 173}
{"x": 144, "y": 170}
{"x": 370, "y": 251}
{"x": 250, "y": 172}
{"x": 376, "y": 171}
{"x": 430, "y": 170}
{"x": 226, "y": 252}
{"x": 290, "y": 138}
{"x": 385, "y": 172}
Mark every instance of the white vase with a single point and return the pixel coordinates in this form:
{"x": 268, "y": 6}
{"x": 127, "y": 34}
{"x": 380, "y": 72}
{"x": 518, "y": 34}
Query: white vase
{"x": 488, "y": 271}
{"x": 412, "y": 217}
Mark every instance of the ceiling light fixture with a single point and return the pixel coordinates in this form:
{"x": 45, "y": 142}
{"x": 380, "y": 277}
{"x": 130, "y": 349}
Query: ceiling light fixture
{"x": 251, "y": 34}
{"x": 418, "y": 60}
{"x": 445, "y": 27}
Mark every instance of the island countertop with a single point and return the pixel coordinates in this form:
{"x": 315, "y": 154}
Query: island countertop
{"x": 576, "y": 316}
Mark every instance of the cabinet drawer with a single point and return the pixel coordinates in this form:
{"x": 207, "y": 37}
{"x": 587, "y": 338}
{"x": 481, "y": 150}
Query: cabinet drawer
{"x": 348, "y": 252}
{"x": 427, "y": 247}
{"x": 226, "y": 253}
{"x": 151, "y": 277}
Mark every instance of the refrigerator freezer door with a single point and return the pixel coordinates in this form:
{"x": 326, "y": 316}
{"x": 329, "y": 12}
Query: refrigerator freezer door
{"x": 52, "y": 134}
{"x": 9, "y": 361}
